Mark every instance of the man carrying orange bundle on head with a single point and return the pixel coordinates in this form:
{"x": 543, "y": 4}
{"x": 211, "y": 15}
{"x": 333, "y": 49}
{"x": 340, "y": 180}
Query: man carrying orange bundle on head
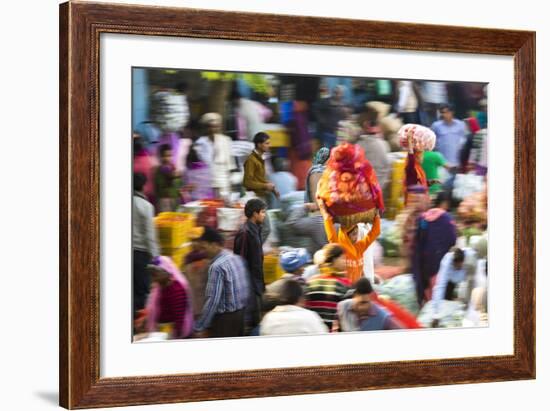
{"x": 348, "y": 193}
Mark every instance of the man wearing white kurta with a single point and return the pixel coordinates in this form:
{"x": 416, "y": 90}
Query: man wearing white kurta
{"x": 290, "y": 317}
{"x": 215, "y": 150}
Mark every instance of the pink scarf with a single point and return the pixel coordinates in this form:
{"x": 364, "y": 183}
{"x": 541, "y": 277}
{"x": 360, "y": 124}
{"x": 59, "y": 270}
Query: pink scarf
{"x": 153, "y": 302}
{"x": 433, "y": 214}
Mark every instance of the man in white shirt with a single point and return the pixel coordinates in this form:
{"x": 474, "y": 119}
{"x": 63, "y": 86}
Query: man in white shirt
{"x": 291, "y": 318}
{"x": 215, "y": 150}
{"x": 456, "y": 267}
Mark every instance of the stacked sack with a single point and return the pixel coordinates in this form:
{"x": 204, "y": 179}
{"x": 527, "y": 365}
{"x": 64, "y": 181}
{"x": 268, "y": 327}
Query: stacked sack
{"x": 170, "y": 110}
{"x": 466, "y": 185}
{"x": 349, "y": 187}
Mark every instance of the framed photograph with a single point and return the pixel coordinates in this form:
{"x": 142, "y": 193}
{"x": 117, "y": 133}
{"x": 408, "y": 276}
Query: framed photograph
{"x": 189, "y": 136}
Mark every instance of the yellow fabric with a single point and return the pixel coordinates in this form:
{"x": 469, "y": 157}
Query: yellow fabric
{"x": 354, "y": 251}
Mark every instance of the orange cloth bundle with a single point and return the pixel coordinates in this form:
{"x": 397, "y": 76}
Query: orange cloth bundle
{"x": 349, "y": 186}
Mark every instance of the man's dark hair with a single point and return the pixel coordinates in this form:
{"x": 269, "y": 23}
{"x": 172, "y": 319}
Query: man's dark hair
{"x": 194, "y": 126}
{"x": 446, "y": 106}
{"x": 363, "y": 286}
{"x": 181, "y": 87}
{"x": 291, "y": 292}
{"x": 260, "y": 138}
{"x": 193, "y": 156}
{"x": 235, "y": 94}
{"x": 164, "y": 148}
{"x": 139, "y": 181}
{"x": 254, "y": 205}
{"x": 211, "y": 235}
{"x": 441, "y": 198}
{"x": 458, "y": 255}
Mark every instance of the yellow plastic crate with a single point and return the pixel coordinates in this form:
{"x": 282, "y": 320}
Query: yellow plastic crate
{"x": 272, "y": 269}
{"x": 173, "y": 229}
{"x": 279, "y": 137}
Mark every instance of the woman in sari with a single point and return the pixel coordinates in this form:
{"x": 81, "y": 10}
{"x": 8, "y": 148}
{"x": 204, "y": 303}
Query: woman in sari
{"x": 314, "y": 174}
{"x": 170, "y": 299}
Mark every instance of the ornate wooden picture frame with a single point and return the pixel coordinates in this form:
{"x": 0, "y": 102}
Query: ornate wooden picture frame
{"x": 81, "y": 25}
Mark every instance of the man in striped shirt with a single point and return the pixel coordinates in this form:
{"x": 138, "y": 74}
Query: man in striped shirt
{"x": 323, "y": 294}
{"x": 326, "y": 290}
{"x": 227, "y": 290}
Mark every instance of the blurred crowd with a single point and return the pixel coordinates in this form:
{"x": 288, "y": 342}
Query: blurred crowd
{"x": 230, "y": 238}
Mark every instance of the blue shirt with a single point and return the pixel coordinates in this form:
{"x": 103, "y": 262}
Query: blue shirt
{"x": 227, "y": 288}
{"x": 450, "y": 138}
{"x": 284, "y": 181}
{"x": 378, "y": 318}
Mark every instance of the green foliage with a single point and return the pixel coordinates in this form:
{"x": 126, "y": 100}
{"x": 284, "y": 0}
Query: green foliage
{"x": 258, "y": 82}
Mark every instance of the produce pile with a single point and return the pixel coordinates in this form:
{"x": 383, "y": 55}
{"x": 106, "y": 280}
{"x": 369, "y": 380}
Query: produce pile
{"x": 402, "y": 290}
{"x": 465, "y": 185}
{"x": 451, "y": 314}
{"x": 390, "y": 239}
{"x": 474, "y": 208}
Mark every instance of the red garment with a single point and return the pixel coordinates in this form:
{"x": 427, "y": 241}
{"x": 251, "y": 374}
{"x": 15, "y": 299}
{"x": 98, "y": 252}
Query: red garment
{"x": 173, "y": 307}
{"x": 400, "y": 314}
{"x": 144, "y": 163}
{"x": 473, "y": 124}
{"x": 299, "y": 168}
{"x": 414, "y": 175}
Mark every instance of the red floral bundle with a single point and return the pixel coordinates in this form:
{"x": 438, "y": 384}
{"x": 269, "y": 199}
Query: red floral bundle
{"x": 349, "y": 186}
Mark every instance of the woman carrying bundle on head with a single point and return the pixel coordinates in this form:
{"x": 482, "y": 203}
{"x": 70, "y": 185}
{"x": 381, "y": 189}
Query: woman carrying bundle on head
{"x": 349, "y": 194}
{"x": 416, "y": 139}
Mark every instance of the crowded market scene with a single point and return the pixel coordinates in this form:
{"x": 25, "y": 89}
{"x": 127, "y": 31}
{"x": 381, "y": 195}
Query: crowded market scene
{"x": 279, "y": 204}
